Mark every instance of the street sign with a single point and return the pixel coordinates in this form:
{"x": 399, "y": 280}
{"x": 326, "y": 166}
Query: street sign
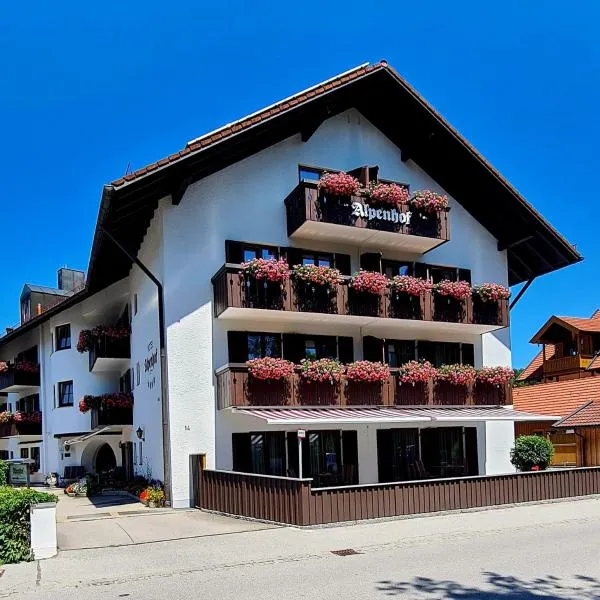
{"x": 18, "y": 473}
{"x": 301, "y": 434}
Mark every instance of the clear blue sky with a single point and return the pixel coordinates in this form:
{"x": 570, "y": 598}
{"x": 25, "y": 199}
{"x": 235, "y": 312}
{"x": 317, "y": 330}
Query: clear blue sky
{"x": 87, "y": 89}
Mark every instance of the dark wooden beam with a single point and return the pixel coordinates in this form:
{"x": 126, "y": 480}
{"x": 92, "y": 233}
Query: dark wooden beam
{"x": 309, "y": 129}
{"x": 506, "y": 245}
{"x": 179, "y": 191}
{"x": 521, "y": 292}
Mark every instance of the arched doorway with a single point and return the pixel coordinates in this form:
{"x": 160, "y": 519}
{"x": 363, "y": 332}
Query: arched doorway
{"x": 105, "y": 459}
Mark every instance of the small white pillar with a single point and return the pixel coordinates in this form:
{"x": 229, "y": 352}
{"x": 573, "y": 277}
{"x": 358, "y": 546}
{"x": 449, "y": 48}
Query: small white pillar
{"x": 43, "y": 530}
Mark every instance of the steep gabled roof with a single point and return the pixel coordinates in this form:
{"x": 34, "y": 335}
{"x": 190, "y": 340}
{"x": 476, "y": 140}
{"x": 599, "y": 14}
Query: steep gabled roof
{"x": 534, "y": 369}
{"x": 587, "y": 415}
{"x": 573, "y": 324}
{"x": 556, "y": 398}
{"x": 533, "y": 246}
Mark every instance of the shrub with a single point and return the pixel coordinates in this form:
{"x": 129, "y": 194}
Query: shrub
{"x": 15, "y": 526}
{"x": 531, "y": 453}
{"x": 3, "y": 473}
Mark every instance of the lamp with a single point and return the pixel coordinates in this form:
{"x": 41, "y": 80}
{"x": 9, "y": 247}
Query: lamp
{"x": 140, "y": 434}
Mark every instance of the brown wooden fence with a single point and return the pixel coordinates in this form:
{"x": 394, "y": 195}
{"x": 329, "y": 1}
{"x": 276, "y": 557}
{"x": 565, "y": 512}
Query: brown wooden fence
{"x": 294, "y": 501}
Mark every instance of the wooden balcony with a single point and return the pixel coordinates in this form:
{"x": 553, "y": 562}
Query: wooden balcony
{"x": 109, "y": 354}
{"x": 315, "y": 216}
{"x": 566, "y": 364}
{"x": 104, "y": 417}
{"x": 16, "y": 429}
{"x": 235, "y": 387}
{"x": 241, "y": 298}
{"x": 17, "y": 380}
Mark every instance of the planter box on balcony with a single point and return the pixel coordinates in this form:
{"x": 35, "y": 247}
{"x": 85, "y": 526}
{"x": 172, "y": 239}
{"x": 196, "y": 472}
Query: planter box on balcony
{"x": 490, "y": 313}
{"x": 407, "y": 394}
{"x": 109, "y": 354}
{"x": 14, "y": 429}
{"x": 312, "y": 215}
{"x": 103, "y": 417}
{"x": 15, "y": 380}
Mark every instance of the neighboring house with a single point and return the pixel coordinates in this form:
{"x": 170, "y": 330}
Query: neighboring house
{"x": 564, "y": 382}
{"x": 167, "y": 260}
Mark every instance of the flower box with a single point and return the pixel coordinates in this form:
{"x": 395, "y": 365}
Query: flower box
{"x": 270, "y": 369}
{"x": 339, "y": 184}
{"x": 428, "y": 201}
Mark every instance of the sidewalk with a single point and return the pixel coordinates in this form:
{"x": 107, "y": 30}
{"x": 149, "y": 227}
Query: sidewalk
{"x": 255, "y": 545}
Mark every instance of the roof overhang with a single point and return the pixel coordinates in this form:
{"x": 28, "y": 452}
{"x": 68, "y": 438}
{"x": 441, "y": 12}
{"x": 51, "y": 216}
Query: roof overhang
{"x": 533, "y": 246}
{"x": 385, "y": 415}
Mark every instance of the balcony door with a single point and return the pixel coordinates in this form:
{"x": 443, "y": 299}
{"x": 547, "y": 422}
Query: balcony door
{"x": 398, "y": 454}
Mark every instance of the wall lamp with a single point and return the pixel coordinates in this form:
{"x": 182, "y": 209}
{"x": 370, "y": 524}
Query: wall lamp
{"x": 140, "y": 434}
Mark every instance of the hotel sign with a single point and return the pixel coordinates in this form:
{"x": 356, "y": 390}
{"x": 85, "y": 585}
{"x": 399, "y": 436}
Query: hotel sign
{"x": 360, "y": 209}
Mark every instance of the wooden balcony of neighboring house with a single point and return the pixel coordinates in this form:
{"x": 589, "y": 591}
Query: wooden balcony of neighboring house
{"x": 239, "y": 297}
{"x": 314, "y": 215}
{"x": 107, "y": 416}
{"x": 19, "y": 377}
{"x": 109, "y": 354}
{"x": 236, "y": 387}
{"x": 566, "y": 364}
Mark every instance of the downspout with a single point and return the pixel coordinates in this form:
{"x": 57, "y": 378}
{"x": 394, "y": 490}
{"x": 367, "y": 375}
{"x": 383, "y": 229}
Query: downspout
{"x": 166, "y": 441}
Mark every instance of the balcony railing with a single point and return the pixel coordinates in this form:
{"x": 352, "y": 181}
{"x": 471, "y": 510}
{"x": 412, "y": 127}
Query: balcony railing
{"x": 234, "y": 292}
{"x": 235, "y": 387}
{"x": 566, "y": 363}
{"x": 16, "y": 379}
{"x": 105, "y": 416}
{"x": 108, "y": 353}
{"x": 21, "y": 428}
{"x": 312, "y": 214}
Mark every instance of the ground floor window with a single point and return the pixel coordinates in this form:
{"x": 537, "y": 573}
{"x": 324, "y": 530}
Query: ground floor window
{"x": 328, "y": 457}
{"x": 32, "y": 453}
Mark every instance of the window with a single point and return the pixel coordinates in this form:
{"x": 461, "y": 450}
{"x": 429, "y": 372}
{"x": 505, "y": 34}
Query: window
{"x": 24, "y": 452}
{"x": 264, "y": 344}
{"x": 65, "y": 393}
{"x": 140, "y": 459}
{"x": 391, "y": 268}
{"x": 320, "y": 347}
{"x": 63, "y": 337}
{"x": 250, "y": 252}
{"x": 262, "y": 453}
{"x": 4, "y": 454}
{"x": 29, "y": 403}
{"x": 34, "y": 454}
{"x": 309, "y": 174}
{"x": 315, "y": 258}
{"x": 399, "y": 352}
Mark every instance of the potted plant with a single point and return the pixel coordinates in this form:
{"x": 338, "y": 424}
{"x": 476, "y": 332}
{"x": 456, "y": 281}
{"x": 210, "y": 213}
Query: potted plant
{"x": 316, "y": 275}
{"x": 532, "y": 453}
{"x": 88, "y": 337}
{"x": 315, "y": 288}
{"x": 155, "y": 496}
{"x": 406, "y": 293}
{"x": 457, "y": 290}
{"x": 321, "y": 370}
{"x": 496, "y": 376}
{"x": 459, "y": 375}
{"x": 369, "y": 282}
{"x": 428, "y": 201}
{"x": 339, "y": 184}
{"x": 410, "y": 286}
{"x": 270, "y": 369}
{"x": 416, "y": 371}
{"x": 267, "y": 269}
{"x": 387, "y": 194}
{"x": 491, "y": 292}
{"x": 366, "y": 371}
{"x": 450, "y": 300}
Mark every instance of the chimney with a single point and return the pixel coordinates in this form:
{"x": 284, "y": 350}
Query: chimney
{"x": 70, "y": 280}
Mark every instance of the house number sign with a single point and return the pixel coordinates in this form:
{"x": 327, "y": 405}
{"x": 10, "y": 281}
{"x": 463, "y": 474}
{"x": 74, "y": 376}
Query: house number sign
{"x": 380, "y": 214}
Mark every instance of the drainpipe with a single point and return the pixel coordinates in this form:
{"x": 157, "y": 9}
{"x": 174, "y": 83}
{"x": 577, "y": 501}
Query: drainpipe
{"x": 166, "y": 439}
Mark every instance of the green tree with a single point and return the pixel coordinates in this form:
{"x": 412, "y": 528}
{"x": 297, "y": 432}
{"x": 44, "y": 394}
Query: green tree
{"x": 531, "y": 452}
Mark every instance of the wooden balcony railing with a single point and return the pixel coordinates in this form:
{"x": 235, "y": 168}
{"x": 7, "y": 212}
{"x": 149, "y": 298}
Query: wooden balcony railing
{"x": 15, "y": 378}
{"x": 235, "y": 387}
{"x": 108, "y": 347}
{"x": 310, "y": 213}
{"x": 21, "y": 428}
{"x": 103, "y": 417}
{"x": 233, "y": 290}
{"x": 565, "y": 363}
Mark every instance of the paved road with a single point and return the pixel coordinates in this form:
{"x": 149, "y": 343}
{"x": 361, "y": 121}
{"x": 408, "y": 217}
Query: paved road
{"x": 543, "y": 551}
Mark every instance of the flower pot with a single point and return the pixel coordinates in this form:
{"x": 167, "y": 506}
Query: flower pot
{"x": 152, "y": 504}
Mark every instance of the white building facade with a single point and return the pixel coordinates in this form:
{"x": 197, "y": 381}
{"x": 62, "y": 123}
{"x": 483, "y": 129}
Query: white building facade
{"x": 222, "y": 201}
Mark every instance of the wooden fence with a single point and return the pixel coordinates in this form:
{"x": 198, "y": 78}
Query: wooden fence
{"x": 294, "y": 501}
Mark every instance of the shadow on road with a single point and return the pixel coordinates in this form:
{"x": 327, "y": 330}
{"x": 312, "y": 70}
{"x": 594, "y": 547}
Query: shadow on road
{"x": 499, "y": 587}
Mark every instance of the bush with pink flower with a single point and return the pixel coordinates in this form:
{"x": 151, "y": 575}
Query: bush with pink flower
{"x": 369, "y": 281}
{"x": 27, "y": 417}
{"x": 270, "y": 369}
{"x": 459, "y": 290}
{"x": 456, "y": 374}
{"x": 269, "y": 269}
{"x": 322, "y": 370}
{"x": 317, "y": 275}
{"x": 88, "y": 337}
{"x": 389, "y": 194}
{"x": 411, "y": 286}
{"x": 497, "y": 376}
{"x": 22, "y": 366}
{"x": 491, "y": 292}
{"x": 416, "y": 371}
{"x": 339, "y": 184}
{"x": 428, "y": 201}
{"x": 367, "y": 371}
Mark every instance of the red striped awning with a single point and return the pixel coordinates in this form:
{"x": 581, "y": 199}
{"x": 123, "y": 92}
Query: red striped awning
{"x": 386, "y": 414}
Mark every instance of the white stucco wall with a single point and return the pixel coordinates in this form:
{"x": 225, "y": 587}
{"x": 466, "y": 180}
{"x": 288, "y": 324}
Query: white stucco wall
{"x": 499, "y": 439}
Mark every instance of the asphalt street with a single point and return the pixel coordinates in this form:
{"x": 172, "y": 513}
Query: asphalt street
{"x": 534, "y": 551}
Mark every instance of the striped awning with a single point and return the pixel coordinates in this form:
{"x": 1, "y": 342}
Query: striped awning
{"x": 386, "y": 414}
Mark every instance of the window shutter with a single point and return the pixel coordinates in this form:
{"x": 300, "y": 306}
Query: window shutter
{"x": 234, "y": 252}
{"x": 237, "y": 346}
{"x": 468, "y": 354}
{"x": 371, "y": 261}
{"x": 372, "y": 348}
{"x": 342, "y": 263}
{"x": 293, "y": 347}
{"x": 464, "y": 275}
{"x": 345, "y": 349}
{"x": 361, "y": 173}
{"x": 293, "y": 256}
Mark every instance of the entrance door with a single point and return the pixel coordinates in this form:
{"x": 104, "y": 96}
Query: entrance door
{"x": 127, "y": 459}
{"x": 105, "y": 459}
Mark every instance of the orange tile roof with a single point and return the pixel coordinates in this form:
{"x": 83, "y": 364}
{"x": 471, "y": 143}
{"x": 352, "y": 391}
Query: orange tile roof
{"x": 587, "y": 415}
{"x": 591, "y": 325}
{"x": 556, "y": 398}
{"x": 595, "y": 364}
{"x": 531, "y": 370}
